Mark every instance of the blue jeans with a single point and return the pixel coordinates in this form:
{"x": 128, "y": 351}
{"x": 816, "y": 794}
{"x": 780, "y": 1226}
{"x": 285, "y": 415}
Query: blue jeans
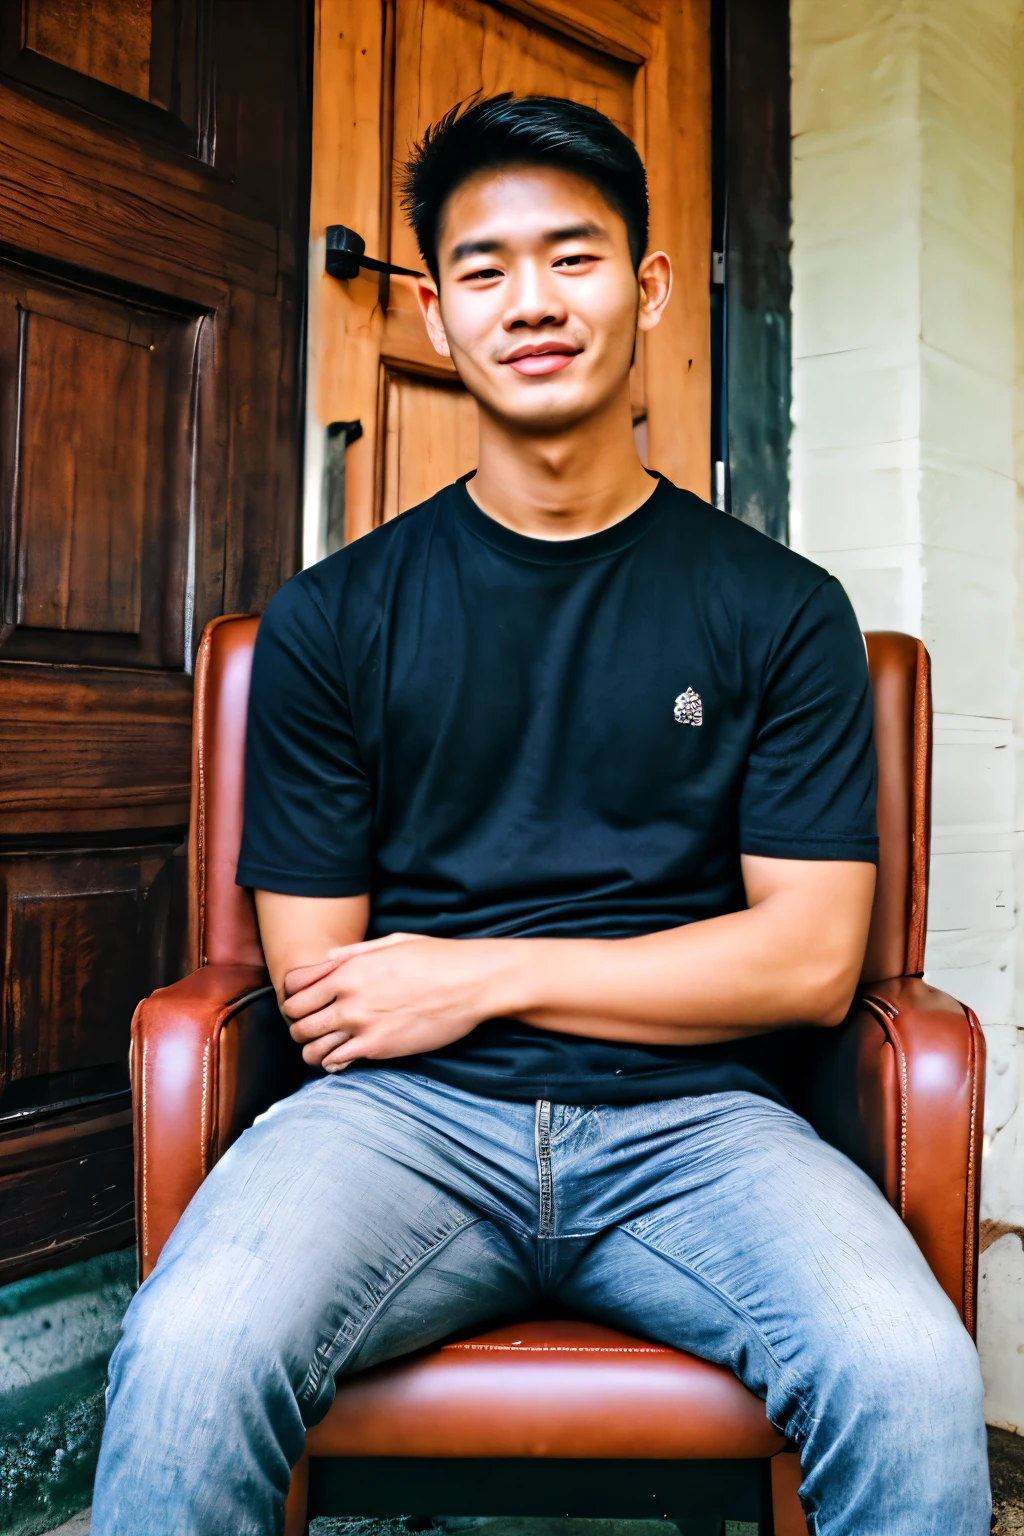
{"x": 375, "y": 1211}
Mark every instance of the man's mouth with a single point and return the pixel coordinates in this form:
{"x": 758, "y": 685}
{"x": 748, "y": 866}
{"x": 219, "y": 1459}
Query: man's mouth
{"x": 541, "y": 357}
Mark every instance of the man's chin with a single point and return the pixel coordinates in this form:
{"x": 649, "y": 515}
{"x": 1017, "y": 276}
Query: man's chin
{"x": 542, "y": 415}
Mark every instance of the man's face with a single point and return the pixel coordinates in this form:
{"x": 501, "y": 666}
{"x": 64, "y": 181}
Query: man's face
{"x": 539, "y": 302}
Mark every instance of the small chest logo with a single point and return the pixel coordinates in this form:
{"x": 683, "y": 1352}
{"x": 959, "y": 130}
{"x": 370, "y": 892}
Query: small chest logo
{"x": 688, "y": 708}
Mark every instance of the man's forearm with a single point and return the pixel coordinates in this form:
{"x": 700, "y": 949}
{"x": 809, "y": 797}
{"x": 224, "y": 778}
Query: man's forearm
{"x": 301, "y": 930}
{"x": 717, "y": 980}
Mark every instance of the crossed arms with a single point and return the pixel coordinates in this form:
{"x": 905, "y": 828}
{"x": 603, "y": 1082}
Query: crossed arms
{"x": 792, "y": 957}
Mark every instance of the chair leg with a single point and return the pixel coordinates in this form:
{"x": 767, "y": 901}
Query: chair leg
{"x": 786, "y": 1507}
{"x": 296, "y": 1512}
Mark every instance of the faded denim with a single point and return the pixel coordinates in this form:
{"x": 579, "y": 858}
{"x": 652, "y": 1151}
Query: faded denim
{"x": 375, "y": 1211}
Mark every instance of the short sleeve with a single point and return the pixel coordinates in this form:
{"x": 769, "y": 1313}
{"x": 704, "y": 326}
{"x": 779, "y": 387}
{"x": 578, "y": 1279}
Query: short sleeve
{"x": 810, "y": 785}
{"x": 308, "y": 801}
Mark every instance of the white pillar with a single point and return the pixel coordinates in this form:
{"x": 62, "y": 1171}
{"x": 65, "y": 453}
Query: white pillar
{"x": 903, "y": 469}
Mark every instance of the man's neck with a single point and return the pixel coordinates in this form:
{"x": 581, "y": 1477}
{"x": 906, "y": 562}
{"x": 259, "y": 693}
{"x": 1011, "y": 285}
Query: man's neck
{"x": 561, "y": 486}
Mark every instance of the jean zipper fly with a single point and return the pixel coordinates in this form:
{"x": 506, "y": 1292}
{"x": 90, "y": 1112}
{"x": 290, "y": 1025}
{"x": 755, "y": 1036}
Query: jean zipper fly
{"x": 545, "y": 1178}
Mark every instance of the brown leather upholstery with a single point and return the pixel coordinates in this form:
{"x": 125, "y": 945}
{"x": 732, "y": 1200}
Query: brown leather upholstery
{"x": 564, "y": 1389}
{"x": 898, "y": 1087}
{"x": 208, "y": 1054}
{"x": 901, "y": 685}
{"x": 222, "y": 916}
{"x": 939, "y": 1077}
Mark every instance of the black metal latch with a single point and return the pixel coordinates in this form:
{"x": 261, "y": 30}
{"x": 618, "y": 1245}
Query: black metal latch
{"x": 345, "y": 255}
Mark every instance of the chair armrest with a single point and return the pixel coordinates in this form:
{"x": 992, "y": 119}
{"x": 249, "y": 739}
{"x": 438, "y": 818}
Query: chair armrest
{"x": 208, "y": 1054}
{"x": 899, "y": 1088}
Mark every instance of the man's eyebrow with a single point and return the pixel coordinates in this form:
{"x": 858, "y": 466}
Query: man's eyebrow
{"x": 581, "y": 231}
{"x": 475, "y": 248}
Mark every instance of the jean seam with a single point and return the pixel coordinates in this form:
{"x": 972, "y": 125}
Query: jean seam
{"x": 799, "y": 1427}
{"x": 545, "y": 1169}
{"x": 326, "y": 1356}
{"x": 564, "y": 1237}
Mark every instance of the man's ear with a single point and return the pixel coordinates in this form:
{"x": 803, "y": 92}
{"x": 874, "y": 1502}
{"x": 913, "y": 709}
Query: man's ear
{"x": 655, "y": 278}
{"x": 430, "y": 308}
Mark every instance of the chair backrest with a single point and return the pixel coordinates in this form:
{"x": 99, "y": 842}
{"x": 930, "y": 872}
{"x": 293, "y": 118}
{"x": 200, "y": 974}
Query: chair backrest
{"x": 222, "y": 916}
{"x": 901, "y": 683}
{"x": 223, "y": 928}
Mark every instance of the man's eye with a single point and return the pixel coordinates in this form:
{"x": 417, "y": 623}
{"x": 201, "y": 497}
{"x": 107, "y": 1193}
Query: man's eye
{"x": 573, "y": 261}
{"x": 483, "y": 273}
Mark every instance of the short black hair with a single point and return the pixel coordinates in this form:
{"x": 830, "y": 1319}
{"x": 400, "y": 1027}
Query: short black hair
{"x": 493, "y": 132}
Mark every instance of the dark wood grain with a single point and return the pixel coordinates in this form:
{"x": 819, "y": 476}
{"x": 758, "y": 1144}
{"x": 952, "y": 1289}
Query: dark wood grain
{"x": 136, "y": 215}
{"x": 98, "y": 490}
{"x": 152, "y": 269}
{"x": 101, "y": 41}
{"x": 66, "y": 1189}
{"x": 74, "y": 962}
{"x": 88, "y": 738}
{"x": 84, "y": 434}
{"x": 144, "y": 65}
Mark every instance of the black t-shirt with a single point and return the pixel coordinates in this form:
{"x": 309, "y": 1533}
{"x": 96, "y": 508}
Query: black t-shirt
{"x": 495, "y": 734}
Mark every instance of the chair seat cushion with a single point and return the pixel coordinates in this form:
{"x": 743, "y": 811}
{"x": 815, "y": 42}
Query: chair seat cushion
{"x": 562, "y": 1389}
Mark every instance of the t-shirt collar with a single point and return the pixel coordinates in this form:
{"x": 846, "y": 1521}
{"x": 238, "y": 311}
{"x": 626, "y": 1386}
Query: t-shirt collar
{"x": 593, "y": 546}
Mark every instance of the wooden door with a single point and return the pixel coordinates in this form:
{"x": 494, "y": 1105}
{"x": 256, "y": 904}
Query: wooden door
{"x": 153, "y": 196}
{"x": 382, "y": 73}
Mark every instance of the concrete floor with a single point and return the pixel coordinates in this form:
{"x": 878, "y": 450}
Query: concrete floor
{"x": 1006, "y": 1458}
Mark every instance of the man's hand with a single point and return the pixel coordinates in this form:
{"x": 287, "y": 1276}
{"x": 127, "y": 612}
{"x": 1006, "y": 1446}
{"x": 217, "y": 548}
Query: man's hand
{"x": 398, "y": 996}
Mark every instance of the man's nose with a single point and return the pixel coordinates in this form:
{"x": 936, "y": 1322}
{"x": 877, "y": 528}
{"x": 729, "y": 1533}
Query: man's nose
{"x": 533, "y": 300}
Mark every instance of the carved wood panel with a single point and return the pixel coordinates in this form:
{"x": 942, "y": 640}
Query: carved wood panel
{"x": 101, "y": 41}
{"x": 83, "y": 478}
{"x": 74, "y": 960}
{"x": 65, "y": 1186}
{"x": 146, "y": 64}
{"x": 152, "y": 265}
{"x": 98, "y": 421}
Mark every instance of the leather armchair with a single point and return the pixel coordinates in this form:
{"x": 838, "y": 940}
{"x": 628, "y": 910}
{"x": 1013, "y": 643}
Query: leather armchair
{"x": 554, "y": 1415}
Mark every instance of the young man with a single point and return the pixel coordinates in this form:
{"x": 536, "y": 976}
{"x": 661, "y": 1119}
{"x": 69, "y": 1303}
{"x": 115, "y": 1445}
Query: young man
{"x": 559, "y": 804}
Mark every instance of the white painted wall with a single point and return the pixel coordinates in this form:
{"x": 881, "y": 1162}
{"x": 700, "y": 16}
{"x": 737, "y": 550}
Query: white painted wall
{"x": 908, "y": 446}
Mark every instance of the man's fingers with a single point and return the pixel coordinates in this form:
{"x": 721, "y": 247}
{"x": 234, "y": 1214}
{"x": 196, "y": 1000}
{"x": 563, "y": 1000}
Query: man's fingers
{"x": 349, "y": 1049}
{"x": 314, "y": 1054}
{"x": 312, "y": 999}
{"x": 306, "y": 975}
{"x": 316, "y": 1026}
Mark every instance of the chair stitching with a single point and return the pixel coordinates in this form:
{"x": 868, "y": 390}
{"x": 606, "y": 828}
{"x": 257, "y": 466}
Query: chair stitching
{"x": 920, "y": 807}
{"x": 904, "y": 1103}
{"x": 201, "y": 682}
{"x": 567, "y": 1349}
{"x": 204, "y": 1110}
{"x": 887, "y": 1015}
{"x": 969, "y": 1223}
